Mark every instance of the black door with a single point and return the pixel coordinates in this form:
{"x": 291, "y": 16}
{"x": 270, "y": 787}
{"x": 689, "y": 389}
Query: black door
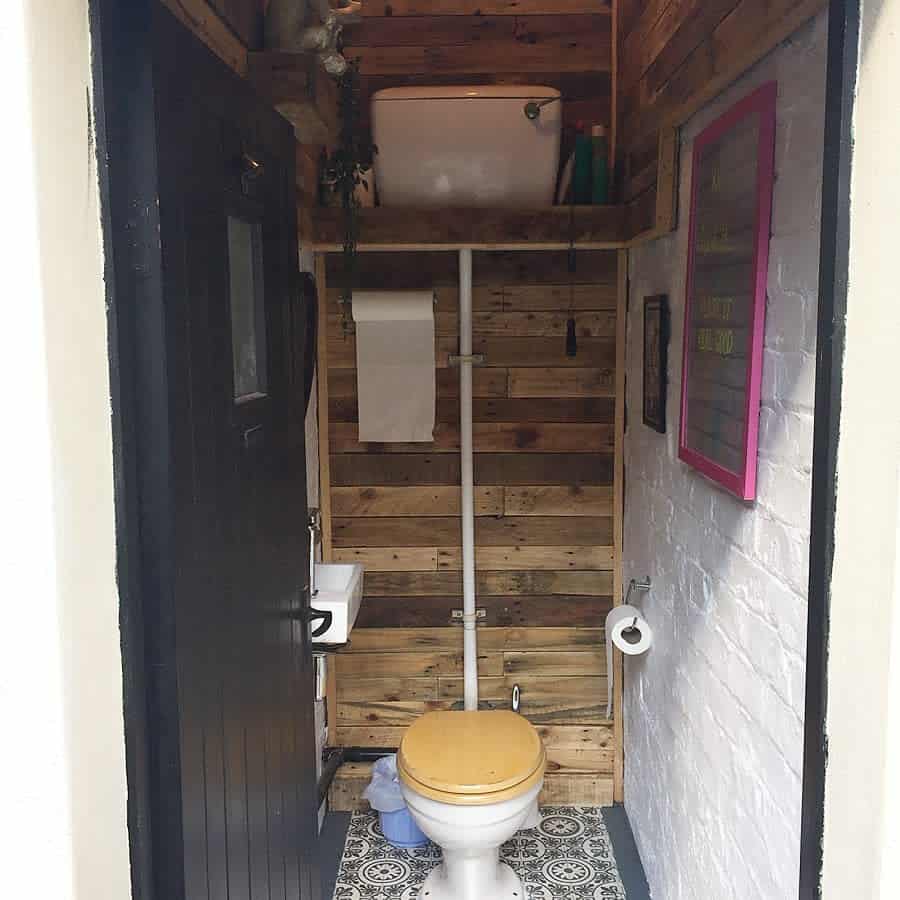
{"x": 210, "y": 331}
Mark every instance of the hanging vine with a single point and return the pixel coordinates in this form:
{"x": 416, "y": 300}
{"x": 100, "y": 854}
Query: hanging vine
{"x": 344, "y": 173}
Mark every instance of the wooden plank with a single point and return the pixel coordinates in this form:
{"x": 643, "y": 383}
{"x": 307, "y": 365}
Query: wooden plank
{"x": 370, "y": 470}
{"x": 440, "y": 531}
{"x": 544, "y": 324}
{"x": 486, "y": 382}
{"x": 549, "y": 468}
{"x": 561, "y": 787}
{"x": 245, "y": 17}
{"x": 389, "y": 688}
{"x": 530, "y": 297}
{"x": 515, "y": 558}
{"x": 434, "y": 612}
{"x": 552, "y": 662}
{"x": 490, "y": 323}
{"x": 544, "y": 409}
{"x": 384, "y": 228}
{"x": 618, "y": 525}
{"x": 584, "y": 738}
{"x": 389, "y": 559}
{"x": 322, "y": 402}
{"x": 589, "y": 51}
{"x": 496, "y": 409}
{"x": 416, "y": 664}
{"x": 554, "y": 700}
{"x": 369, "y": 736}
{"x": 398, "y": 531}
{"x": 331, "y": 698}
{"x": 543, "y": 352}
{"x": 581, "y": 688}
{"x": 667, "y": 182}
{"x": 396, "y": 640}
{"x": 553, "y": 382}
{"x": 421, "y": 31}
{"x": 554, "y": 500}
{"x": 349, "y": 469}
{"x": 479, "y": 29}
{"x": 574, "y": 790}
{"x": 743, "y": 37}
{"x": 504, "y": 584}
{"x": 342, "y": 350}
{"x": 488, "y": 437}
{"x": 482, "y": 7}
{"x": 412, "y": 501}
{"x": 539, "y": 707}
{"x": 351, "y": 779}
{"x": 394, "y": 712}
{"x": 202, "y": 20}
{"x": 392, "y": 270}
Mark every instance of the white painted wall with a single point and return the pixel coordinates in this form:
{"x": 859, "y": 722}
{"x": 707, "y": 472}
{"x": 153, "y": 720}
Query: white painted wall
{"x": 62, "y": 759}
{"x": 714, "y": 713}
{"x": 862, "y": 803}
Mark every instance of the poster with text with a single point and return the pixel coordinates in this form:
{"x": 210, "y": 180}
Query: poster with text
{"x": 724, "y": 326}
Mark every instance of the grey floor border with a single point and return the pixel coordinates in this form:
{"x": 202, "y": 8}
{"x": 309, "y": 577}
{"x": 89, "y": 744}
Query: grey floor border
{"x": 631, "y": 871}
{"x": 331, "y": 849}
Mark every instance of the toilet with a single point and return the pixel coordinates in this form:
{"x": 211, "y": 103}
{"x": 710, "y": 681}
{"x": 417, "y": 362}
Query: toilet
{"x": 471, "y": 780}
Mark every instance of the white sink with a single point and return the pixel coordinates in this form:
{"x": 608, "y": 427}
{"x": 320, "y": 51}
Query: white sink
{"x": 339, "y": 589}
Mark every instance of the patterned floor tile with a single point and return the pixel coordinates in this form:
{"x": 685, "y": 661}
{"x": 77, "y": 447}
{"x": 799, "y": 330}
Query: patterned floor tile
{"x": 567, "y": 857}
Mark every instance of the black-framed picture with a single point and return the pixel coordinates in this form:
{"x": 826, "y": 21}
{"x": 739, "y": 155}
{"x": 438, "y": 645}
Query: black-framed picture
{"x": 656, "y": 358}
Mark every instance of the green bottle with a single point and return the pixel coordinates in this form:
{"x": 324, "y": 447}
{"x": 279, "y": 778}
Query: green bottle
{"x": 583, "y": 174}
{"x": 600, "y": 179}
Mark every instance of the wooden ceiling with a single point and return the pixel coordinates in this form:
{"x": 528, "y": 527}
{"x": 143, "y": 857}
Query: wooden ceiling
{"x": 565, "y": 44}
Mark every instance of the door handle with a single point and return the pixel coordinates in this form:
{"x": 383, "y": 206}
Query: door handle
{"x": 311, "y": 615}
{"x": 327, "y": 617}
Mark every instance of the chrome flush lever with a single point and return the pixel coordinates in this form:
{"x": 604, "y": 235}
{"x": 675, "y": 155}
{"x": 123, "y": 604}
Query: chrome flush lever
{"x": 533, "y": 108}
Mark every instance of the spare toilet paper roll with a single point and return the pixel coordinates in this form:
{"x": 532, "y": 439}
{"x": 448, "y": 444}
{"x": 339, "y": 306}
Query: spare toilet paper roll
{"x": 627, "y": 630}
{"x": 395, "y": 365}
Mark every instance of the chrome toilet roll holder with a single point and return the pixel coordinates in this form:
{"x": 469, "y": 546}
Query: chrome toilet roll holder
{"x": 642, "y": 585}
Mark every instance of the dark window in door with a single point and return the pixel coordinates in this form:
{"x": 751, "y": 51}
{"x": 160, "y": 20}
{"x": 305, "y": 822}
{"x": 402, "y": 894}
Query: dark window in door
{"x": 247, "y": 301}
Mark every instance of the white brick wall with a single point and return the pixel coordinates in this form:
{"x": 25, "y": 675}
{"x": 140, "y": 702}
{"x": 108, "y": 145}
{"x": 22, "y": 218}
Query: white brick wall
{"x": 714, "y": 713}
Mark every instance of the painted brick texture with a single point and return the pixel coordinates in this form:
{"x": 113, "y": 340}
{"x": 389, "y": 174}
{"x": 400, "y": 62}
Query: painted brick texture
{"x": 714, "y": 713}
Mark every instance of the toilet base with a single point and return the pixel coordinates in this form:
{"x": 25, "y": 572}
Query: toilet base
{"x": 472, "y": 878}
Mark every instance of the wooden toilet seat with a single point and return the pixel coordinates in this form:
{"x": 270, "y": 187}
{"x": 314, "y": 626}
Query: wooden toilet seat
{"x": 471, "y": 758}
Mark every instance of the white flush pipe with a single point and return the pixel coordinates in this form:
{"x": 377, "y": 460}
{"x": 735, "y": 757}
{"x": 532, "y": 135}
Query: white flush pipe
{"x": 470, "y": 638}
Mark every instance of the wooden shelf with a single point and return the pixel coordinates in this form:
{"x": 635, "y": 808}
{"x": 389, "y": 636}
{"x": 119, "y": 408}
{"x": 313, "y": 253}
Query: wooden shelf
{"x": 390, "y": 228}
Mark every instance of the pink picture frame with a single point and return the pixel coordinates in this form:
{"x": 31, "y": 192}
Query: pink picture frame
{"x": 725, "y": 302}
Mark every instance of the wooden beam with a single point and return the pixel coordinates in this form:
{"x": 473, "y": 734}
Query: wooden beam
{"x": 579, "y": 52}
{"x": 667, "y": 182}
{"x": 203, "y": 20}
{"x": 376, "y": 8}
{"x": 385, "y": 228}
{"x": 322, "y": 399}
{"x": 300, "y": 89}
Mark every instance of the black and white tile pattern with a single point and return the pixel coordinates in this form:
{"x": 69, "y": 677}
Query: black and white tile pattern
{"x": 567, "y": 857}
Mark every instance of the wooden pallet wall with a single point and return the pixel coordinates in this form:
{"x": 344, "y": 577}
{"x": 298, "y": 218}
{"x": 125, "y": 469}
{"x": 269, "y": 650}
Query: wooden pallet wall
{"x": 544, "y": 434}
{"x": 674, "y": 56}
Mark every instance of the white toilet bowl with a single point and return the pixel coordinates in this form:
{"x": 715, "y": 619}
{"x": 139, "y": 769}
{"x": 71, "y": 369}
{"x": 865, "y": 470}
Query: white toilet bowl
{"x": 471, "y": 781}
